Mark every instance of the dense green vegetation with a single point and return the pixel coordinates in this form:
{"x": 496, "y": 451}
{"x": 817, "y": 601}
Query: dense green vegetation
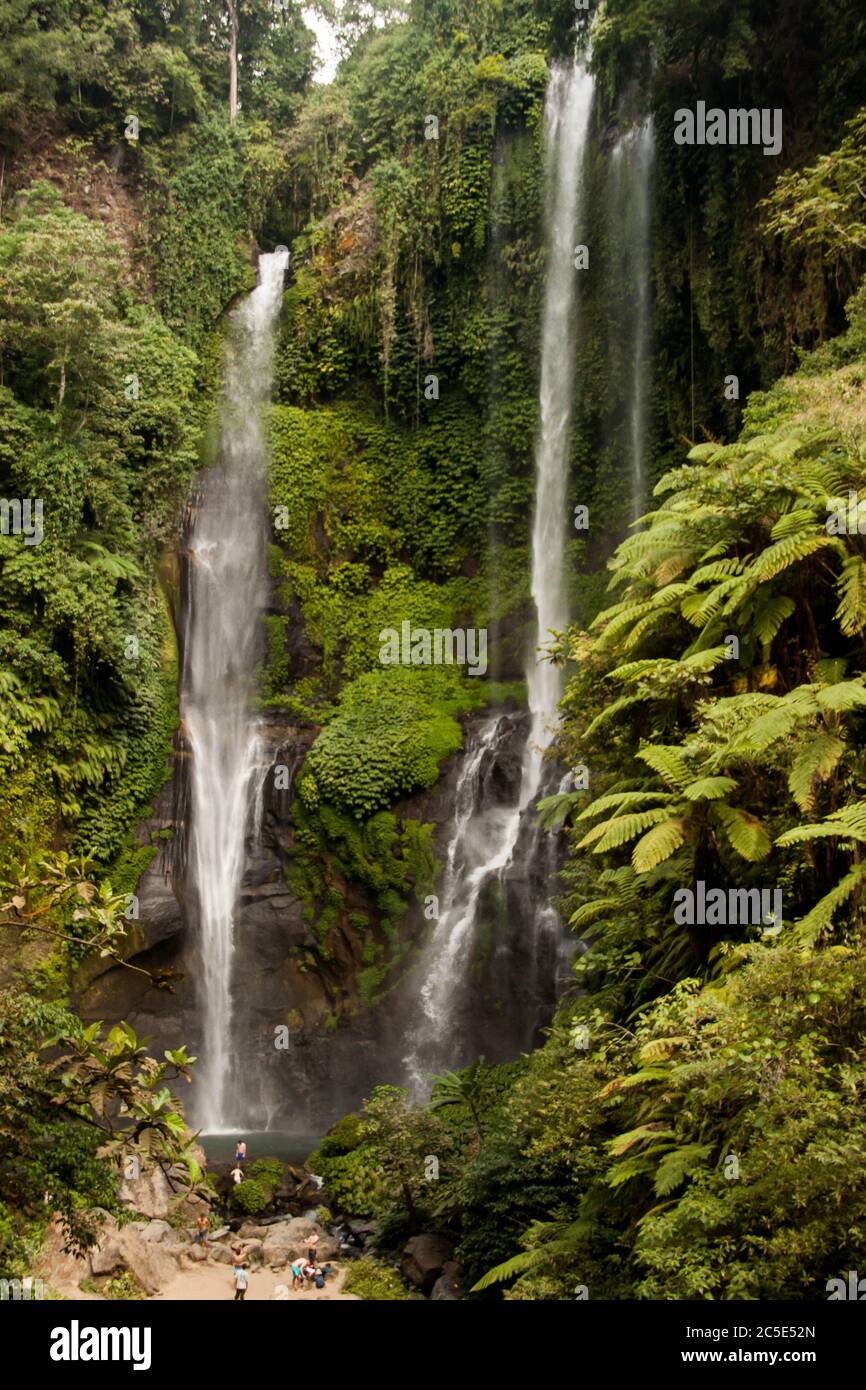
{"x": 690, "y": 1128}
{"x": 693, "y": 1127}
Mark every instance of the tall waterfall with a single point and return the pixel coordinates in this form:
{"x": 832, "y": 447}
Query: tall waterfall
{"x": 630, "y": 184}
{"x": 567, "y": 111}
{"x": 227, "y": 594}
{"x": 486, "y": 838}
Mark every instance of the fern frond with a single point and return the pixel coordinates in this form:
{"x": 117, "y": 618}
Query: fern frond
{"x": 746, "y": 835}
{"x": 814, "y": 764}
{"x": 658, "y": 845}
{"x": 668, "y": 762}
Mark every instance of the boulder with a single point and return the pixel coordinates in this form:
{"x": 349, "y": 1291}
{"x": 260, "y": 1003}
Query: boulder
{"x": 360, "y": 1228}
{"x": 424, "y": 1258}
{"x": 222, "y": 1254}
{"x": 254, "y": 1251}
{"x": 289, "y": 1239}
{"x": 189, "y": 1208}
{"x": 151, "y": 1193}
{"x": 296, "y": 1242}
{"x": 327, "y": 1249}
{"x": 248, "y": 1231}
{"x": 107, "y": 1257}
{"x": 175, "y": 1248}
{"x": 123, "y": 1249}
{"x": 155, "y": 1231}
{"x": 448, "y": 1285}
{"x": 195, "y": 1252}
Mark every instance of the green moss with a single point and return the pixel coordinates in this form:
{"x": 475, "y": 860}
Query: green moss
{"x": 392, "y": 730}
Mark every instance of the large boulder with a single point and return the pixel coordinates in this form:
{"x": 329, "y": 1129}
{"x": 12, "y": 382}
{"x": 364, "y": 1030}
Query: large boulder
{"x": 120, "y": 1248}
{"x": 157, "y": 1231}
{"x": 286, "y": 1240}
{"x": 248, "y": 1231}
{"x": 151, "y": 1193}
{"x": 448, "y": 1286}
{"x": 424, "y": 1258}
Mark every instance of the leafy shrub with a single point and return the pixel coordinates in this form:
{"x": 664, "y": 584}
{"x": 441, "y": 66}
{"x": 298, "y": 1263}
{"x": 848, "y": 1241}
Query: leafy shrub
{"x": 251, "y": 1196}
{"x": 377, "y": 1282}
{"x": 124, "y": 1286}
{"x": 342, "y": 1137}
{"x": 354, "y": 1182}
{"x": 267, "y": 1171}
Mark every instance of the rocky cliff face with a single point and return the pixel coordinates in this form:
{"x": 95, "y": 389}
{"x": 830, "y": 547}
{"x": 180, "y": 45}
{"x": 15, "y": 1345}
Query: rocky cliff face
{"x": 309, "y": 1045}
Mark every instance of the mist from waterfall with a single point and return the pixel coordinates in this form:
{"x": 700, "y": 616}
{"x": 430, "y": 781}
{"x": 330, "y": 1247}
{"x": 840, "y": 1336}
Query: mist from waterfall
{"x": 227, "y": 593}
{"x": 631, "y": 166}
{"x": 485, "y": 835}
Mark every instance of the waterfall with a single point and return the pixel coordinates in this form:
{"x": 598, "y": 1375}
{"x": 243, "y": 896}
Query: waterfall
{"x": 630, "y": 182}
{"x": 227, "y": 592}
{"x": 485, "y": 840}
{"x": 567, "y": 111}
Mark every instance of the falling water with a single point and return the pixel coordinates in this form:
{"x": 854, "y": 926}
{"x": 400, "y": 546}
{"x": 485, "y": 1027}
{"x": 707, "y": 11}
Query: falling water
{"x": 227, "y": 593}
{"x": 483, "y": 846}
{"x": 569, "y": 101}
{"x": 631, "y": 176}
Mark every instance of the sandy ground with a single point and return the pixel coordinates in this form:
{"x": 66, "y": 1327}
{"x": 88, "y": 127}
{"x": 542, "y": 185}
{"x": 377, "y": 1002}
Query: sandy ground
{"x": 214, "y": 1281}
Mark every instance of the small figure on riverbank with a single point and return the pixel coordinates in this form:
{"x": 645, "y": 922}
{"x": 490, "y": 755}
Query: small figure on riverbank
{"x": 297, "y": 1276}
{"x": 312, "y": 1244}
{"x": 202, "y": 1229}
{"x": 237, "y": 1175}
{"x": 242, "y": 1280}
{"x": 240, "y": 1152}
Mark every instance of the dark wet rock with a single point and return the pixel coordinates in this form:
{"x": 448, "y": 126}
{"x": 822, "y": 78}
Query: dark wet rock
{"x": 448, "y": 1286}
{"x": 424, "y": 1258}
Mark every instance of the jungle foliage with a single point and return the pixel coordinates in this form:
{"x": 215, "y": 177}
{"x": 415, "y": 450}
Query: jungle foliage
{"x": 689, "y": 1129}
{"x": 694, "y": 1125}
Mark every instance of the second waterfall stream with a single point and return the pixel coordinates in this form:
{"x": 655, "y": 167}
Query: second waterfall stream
{"x": 484, "y": 842}
{"x": 227, "y": 593}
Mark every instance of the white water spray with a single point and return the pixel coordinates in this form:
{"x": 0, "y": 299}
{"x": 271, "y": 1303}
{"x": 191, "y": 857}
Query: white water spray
{"x": 631, "y": 180}
{"x": 227, "y": 594}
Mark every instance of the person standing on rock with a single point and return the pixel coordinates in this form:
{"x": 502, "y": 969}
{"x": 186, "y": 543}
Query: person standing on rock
{"x": 242, "y": 1280}
{"x": 240, "y": 1152}
{"x": 311, "y": 1245}
{"x": 202, "y": 1227}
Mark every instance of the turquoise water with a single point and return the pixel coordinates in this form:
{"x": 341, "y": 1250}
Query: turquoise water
{"x": 291, "y": 1148}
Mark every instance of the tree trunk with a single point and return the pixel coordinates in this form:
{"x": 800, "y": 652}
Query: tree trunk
{"x": 411, "y": 1210}
{"x": 233, "y": 61}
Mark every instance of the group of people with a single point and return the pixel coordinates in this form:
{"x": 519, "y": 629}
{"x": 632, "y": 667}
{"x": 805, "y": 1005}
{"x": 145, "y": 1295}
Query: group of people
{"x": 302, "y": 1270}
{"x": 314, "y": 1273}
